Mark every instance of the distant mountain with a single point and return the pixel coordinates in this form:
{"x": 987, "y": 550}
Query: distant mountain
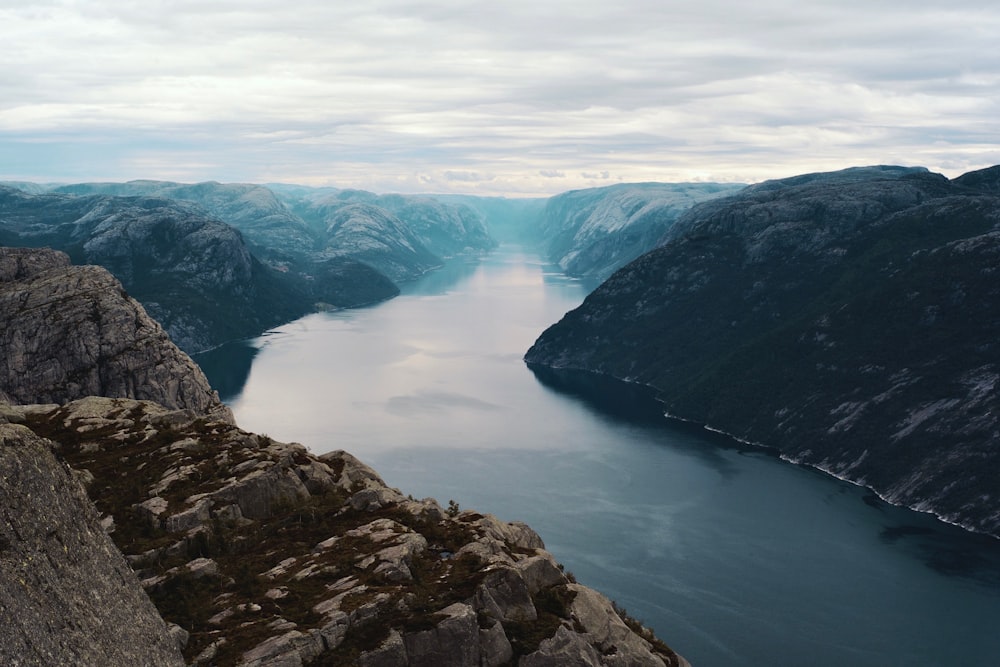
{"x": 511, "y": 220}
{"x": 851, "y": 320}
{"x": 404, "y": 235}
{"x": 273, "y": 232}
{"x": 371, "y": 235}
{"x": 298, "y": 227}
{"x": 193, "y": 273}
{"x": 591, "y": 233}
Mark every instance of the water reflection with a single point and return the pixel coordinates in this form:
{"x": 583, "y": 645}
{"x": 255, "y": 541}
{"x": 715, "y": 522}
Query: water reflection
{"x": 228, "y": 367}
{"x": 949, "y": 550}
{"x": 635, "y": 404}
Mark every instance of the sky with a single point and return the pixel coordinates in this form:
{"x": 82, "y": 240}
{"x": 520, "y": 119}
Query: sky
{"x": 508, "y": 97}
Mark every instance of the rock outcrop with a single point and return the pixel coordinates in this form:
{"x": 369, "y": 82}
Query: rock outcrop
{"x": 72, "y": 331}
{"x": 67, "y": 596}
{"x": 851, "y": 320}
{"x": 591, "y": 233}
{"x": 263, "y": 554}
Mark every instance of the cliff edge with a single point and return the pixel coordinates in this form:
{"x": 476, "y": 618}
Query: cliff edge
{"x": 72, "y": 331}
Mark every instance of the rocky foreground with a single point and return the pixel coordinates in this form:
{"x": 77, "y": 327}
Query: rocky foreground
{"x": 259, "y": 553}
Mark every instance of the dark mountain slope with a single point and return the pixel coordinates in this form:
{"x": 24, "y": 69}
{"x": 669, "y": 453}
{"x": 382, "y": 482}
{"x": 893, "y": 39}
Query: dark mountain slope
{"x": 193, "y": 273}
{"x": 851, "y": 320}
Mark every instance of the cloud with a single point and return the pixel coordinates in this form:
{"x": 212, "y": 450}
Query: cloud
{"x": 493, "y": 98}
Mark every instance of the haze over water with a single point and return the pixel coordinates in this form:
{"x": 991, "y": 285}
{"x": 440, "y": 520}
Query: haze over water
{"x": 732, "y": 556}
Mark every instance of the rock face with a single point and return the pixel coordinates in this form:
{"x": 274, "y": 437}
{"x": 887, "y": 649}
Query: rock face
{"x": 264, "y": 554}
{"x": 193, "y": 273}
{"x": 592, "y": 233}
{"x": 67, "y": 597}
{"x": 72, "y": 331}
{"x": 850, "y": 320}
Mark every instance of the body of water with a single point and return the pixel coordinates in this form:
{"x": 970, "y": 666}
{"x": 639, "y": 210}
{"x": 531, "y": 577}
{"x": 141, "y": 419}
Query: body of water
{"x": 733, "y": 556}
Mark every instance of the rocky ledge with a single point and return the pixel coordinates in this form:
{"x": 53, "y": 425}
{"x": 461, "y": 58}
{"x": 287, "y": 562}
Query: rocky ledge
{"x": 72, "y": 331}
{"x": 260, "y": 553}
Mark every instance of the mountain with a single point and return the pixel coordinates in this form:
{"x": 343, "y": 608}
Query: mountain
{"x": 71, "y": 331}
{"x": 255, "y": 552}
{"x": 851, "y": 320}
{"x": 192, "y": 272}
{"x": 306, "y": 231}
{"x": 403, "y": 236}
{"x": 376, "y": 237}
{"x": 593, "y": 232}
{"x": 271, "y": 230}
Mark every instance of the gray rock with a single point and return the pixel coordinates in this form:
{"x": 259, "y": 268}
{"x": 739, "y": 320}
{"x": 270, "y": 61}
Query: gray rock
{"x": 504, "y": 596}
{"x": 72, "y": 331}
{"x": 540, "y": 572}
{"x": 67, "y": 597}
{"x": 607, "y": 632}
{"x": 391, "y": 653}
{"x": 367, "y": 571}
{"x": 565, "y": 649}
{"x": 494, "y": 647}
{"x": 453, "y": 642}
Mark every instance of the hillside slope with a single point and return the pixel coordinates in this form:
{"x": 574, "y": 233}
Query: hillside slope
{"x": 850, "y": 320}
{"x": 593, "y": 232}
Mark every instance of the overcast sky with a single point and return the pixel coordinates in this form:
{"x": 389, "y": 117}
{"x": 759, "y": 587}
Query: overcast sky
{"x": 510, "y": 97}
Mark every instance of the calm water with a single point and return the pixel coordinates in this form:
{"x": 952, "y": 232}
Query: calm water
{"x": 732, "y": 556}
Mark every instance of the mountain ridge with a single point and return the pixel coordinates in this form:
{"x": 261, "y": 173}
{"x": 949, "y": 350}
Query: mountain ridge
{"x": 848, "y": 320}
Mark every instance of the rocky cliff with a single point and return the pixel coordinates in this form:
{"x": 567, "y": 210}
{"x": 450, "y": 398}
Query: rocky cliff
{"x": 72, "y": 331}
{"x": 67, "y": 596}
{"x": 593, "y": 232}
{"x": 850, "y": 320}
{"x": 265, "y": 554}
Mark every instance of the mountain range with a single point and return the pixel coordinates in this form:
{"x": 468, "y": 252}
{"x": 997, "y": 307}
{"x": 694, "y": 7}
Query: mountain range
{"x": 215, "y": 262}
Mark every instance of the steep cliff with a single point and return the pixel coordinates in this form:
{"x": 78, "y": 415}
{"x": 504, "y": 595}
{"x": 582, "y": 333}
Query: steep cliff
{"x": 67, "y": 596}
{"x": 591, "y": 233}
{"x": 72, "y": 331}
{"x": 850, "y": 320}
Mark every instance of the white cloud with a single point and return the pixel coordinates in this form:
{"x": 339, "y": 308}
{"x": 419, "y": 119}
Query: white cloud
{"x": 414, "y": 94}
